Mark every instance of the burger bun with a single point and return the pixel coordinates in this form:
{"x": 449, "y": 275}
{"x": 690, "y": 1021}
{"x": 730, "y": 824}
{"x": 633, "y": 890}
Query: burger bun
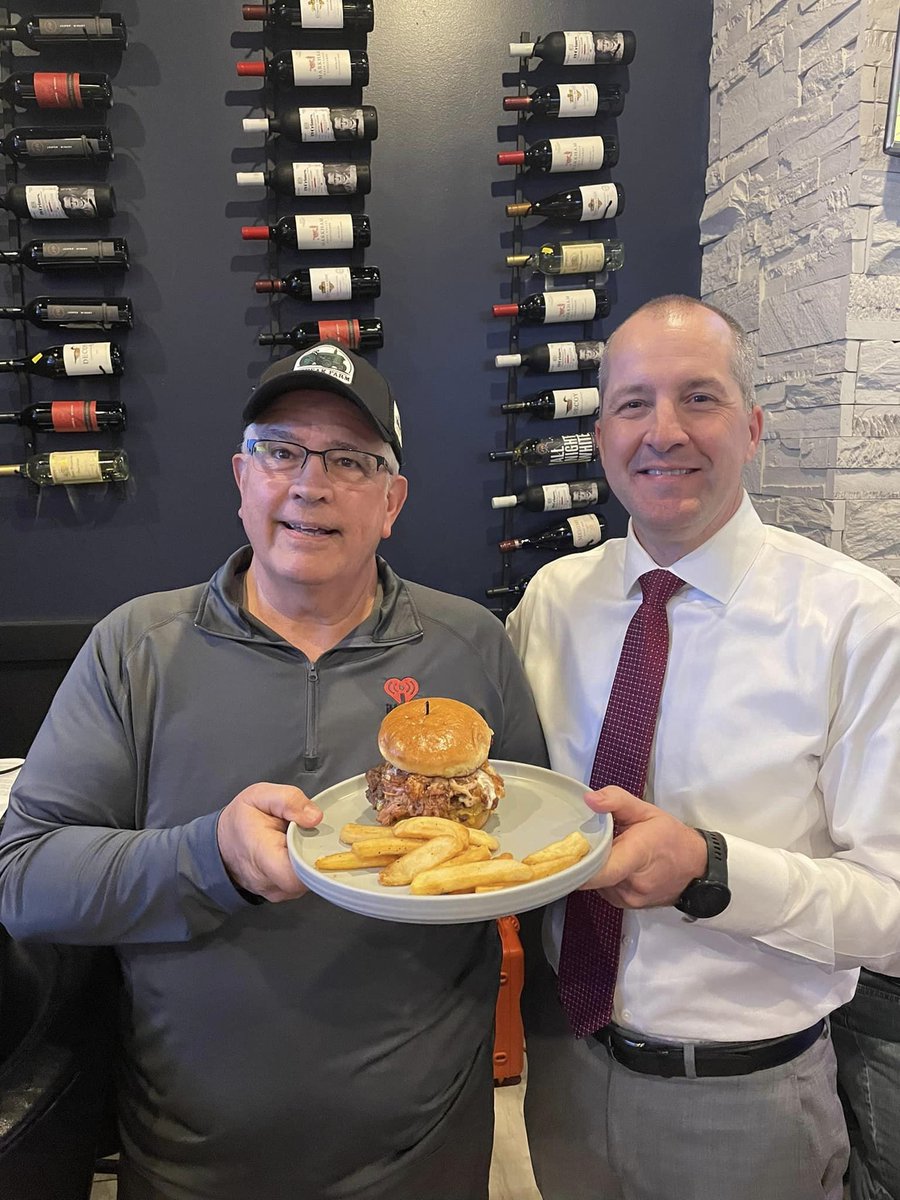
{"x": 435, "y": 736}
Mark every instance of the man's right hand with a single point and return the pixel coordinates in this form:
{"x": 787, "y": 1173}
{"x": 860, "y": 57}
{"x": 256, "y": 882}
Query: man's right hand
{"x": 252, "y": 838}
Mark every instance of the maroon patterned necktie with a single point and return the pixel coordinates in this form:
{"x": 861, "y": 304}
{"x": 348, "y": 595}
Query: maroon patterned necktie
{"x": 589, "y": 956}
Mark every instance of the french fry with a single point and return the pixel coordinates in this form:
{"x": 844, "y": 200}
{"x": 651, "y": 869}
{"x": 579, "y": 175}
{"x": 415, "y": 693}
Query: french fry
{"x": 348, "y": 861}
{"x": 473, "y": 854}
{"x": 551, "y": 866}
{"x": 575, "y": 844}
{"x": 384, "y": 847}
{"x": 442, "y": 879}
{"x": 505, "y": 854}
{"x": 352, "y": 833}
{"x": 494, "y": 887}
{"x": 477, "y": 837}
{"x": 432, "y": 827}
{"x": 427, "y": 854}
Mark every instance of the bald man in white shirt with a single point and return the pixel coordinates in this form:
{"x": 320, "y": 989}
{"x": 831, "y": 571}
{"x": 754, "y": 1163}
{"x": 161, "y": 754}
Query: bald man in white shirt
{"x": 778, "y": 734}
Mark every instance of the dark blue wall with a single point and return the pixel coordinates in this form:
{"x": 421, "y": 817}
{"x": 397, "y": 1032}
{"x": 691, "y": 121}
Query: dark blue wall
{"x": 439, "y": 70}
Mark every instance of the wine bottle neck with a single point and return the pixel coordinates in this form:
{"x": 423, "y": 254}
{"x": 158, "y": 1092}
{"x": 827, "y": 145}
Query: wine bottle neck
{"x": 11, "y": 314}
{"x": 12, "y": 469}
{"x": 9, "y": 418}
{"x": 11, "y": 364}
{"x": 10, "y": 256}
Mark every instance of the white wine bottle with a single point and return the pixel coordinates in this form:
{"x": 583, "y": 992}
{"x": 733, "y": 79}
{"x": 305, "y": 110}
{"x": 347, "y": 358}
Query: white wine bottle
{"x": 71, "y": 466}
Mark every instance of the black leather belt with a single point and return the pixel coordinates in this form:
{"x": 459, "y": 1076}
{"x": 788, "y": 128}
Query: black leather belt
{"x": 673, "y": 1059}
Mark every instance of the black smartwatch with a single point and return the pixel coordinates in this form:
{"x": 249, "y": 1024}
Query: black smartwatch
{"x": 709, "y": 895}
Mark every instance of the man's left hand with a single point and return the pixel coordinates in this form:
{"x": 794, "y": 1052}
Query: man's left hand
{"x": 654, "y": 856}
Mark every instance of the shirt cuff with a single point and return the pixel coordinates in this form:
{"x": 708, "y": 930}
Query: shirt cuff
{"x": 759, "y": 879}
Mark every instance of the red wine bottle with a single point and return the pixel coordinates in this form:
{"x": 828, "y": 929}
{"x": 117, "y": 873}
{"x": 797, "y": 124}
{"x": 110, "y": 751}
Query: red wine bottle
{"x": 69, "y": 416}
{"x": 326, "y": 283}
{"x": 327, "y": 14}
{"x": 359, "y": 124}
{"x": 575, "y": 533}
{"x": 107, "y": 29}
{"x": 557, "y": 404}
{"x": 56, "y": 362}
{"x": 580, "y": 48}
{"x": 60, "y": 201}
{"x": 557, "y": 497}
{"x": 551, "y": 308}
{"x": 312, "y": 68}
{"x": 311, "y": 179}
{"x": 39, "y": 144}
{"x": 596, "y": 202}
{"x": 71, "y": 466}
{"x": 555, "y": 356}
{"x": 549, "y": 451}
{"x": 553, "y": 155}
{"x": 74, "y": 312}
{"x": 318, "y": 231}
{"x": 365, "y": 334}
{"x": 105, "y": 254}
{"x": 569, "y": 100}
{"x": 516, "y": 588}
{"x": 57, "y": 89}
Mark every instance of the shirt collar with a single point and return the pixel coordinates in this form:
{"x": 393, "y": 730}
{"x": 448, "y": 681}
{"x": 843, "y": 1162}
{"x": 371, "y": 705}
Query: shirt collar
{"x": 715, "y": 568}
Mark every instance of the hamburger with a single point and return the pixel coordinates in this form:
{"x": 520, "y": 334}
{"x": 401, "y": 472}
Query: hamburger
{"x": 435, "y": 753}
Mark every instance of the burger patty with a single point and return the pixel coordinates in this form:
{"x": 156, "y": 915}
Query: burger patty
{"x": 395, "y": 794}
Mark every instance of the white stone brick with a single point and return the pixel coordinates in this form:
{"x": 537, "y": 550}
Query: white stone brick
{"x": 873, "y": 307}
{"x": 783, "y": 469}
{"x": 859, "y": 452}
{"x": 822, "y": 252}
{"x": 811, "y": 513}
{"x": 813, "y": 422}
{"x": 771, "y": 53}
{"x": 722, "y": 262}
{"x": 883, "y": 246}
{"x": 817, "y": 392}
{"x": 840, "y": 32}
{"x": 876, "y": 421}
{"x": 760, "y": 9}
{"x": 876, "y": 48}
{"x": 794, "y": 149}
{"x": 724, "y": 210}
{"x": 862, "y": 484}
{"x": 871, "y": 185}
{"x": 750, "y": 155}
{"x": 773, "y": 196}
{"x": 804, "y": 363}
{"x": 882, "y": 91}
{"x": 754, "y": 105}
{"x": 740, "y": 301}
{"x": 879, "y": 367}
{"x": 881, "y": 14}
{"x": 804, "y": 317}
{"x": 766, "y": 508}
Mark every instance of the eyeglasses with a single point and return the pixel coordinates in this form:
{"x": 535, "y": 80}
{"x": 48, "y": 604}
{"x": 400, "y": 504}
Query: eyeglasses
{"x": 289, "y": 458}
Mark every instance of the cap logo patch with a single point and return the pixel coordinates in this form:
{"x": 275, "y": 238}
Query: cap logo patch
{"x": 327, "y": 360}
{"x": 401, "y": 690}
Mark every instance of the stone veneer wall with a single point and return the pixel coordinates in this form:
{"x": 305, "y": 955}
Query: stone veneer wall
{"x": 801, "y": 237}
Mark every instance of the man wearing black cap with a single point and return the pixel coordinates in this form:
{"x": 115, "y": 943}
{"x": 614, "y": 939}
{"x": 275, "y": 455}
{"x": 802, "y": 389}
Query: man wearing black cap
{"x": 292, "y": 1050}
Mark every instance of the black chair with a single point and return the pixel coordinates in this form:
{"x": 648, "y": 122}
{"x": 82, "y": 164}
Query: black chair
{"x": 57, "y": 1022}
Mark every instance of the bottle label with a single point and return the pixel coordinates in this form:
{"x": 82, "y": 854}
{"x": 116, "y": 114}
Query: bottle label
{"x": 589, "y": 355}
{"x": 575, "y": 402}
{"x": 315, "y": 125}
{"x": 570, "y": 448}
{"x": 324, "y": 232}
{"x": 346, "y": 333}
{"x": 556, "y": 497}
{"x": 78, "y": 252}
{"x": 578, "y": 257}
{"x": 563, "y": 356}
{"x": 578, "y": 99}
{"x": 583, "y": 493}
{"x": 321, "y": 67}
{"x": 586, "y": 530}
{"x": 50, "y": 203}
{"x": 576, "y": 154}
{"x": 64, "y": 147}
{"x": 95, "y": 316}
{"x": 599, "y": 202}
{"x": 579, "y": 48}
{"x": 580, "y": 305}
{"x": 74, "y": 416}
{"x": 309, "y": 179}
{"x": 321, "y": 14}
{"x": 87, "y": 358}
{"x": 57, "y": 89}
{"x": 330, "y": 283}
{"x": 70, "y": 28}
{"x": 609, "y": 47}
{"x": 341, "y": 179}
{"x": 348, "y": 124}
{"x": 76, "y": 466}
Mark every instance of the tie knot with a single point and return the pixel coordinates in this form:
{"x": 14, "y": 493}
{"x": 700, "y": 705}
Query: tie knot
{"x": 659, "y": 587}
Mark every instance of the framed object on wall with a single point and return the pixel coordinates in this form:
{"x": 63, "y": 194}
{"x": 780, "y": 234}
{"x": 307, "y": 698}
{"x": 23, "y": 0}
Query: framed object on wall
{"x": 892, "y": 124}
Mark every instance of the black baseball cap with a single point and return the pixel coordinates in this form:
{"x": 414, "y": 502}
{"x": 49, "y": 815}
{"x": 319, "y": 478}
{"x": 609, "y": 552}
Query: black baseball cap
{"x": 330, "y": 367}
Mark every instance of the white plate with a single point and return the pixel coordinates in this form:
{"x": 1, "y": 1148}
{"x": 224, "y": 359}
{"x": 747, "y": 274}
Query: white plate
{"x": 540, "y": 806}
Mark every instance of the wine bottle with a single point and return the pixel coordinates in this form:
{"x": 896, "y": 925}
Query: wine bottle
{"x": 326, "y": 14}
{"x": 569, "y": 100}
{"x": 553, "y": 155}
{"x": 38, "y": 144}
{"x": 516, "y": 588}
{"x": 69, "y": 416}
{"x": 326, "y": 283}
{"x": 59, "y": 201}
{"x": 551, "y": 308}
{"x": 107, "y": 29}
{"x": 71, "y": 466}
{"x": 75, "y": 358}
{"x": 74, "y": 312}
{"x": 358, "y": 124}
{"x": 550, "y": 451}
{"x": 312, "y": 68}
{"x": 572, "y": 258}
{"x": 311, "y": 179}
{"x": 318, "y": 231}
{"x": 596, "y": 202}
{"x": 575, "y": 533}
{"x": 557, "y": 497}
{"x": 105, "y": 254}
{"x": 364, "y": 334}
{"x": 558, "y": 404}
{"x": 57, "y": 89}
{"x": 555, "y": 356}
{"x": 580, "y": 47}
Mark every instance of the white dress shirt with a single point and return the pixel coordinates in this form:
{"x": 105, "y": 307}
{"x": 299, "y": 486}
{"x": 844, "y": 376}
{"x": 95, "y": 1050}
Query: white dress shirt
{"x": 779, "y": 726}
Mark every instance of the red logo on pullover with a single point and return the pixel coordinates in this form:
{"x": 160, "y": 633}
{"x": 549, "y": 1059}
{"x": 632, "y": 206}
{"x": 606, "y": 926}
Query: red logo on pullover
{"x": 401, "y": 690}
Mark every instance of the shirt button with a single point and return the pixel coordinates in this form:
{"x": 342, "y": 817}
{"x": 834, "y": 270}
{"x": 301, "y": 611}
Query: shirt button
{"x": 627, "y": 1014}
{"x": 626, "y": 940}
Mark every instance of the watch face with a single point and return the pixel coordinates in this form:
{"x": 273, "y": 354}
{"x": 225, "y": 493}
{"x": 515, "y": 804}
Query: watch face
{"x": 704, "y": 898}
